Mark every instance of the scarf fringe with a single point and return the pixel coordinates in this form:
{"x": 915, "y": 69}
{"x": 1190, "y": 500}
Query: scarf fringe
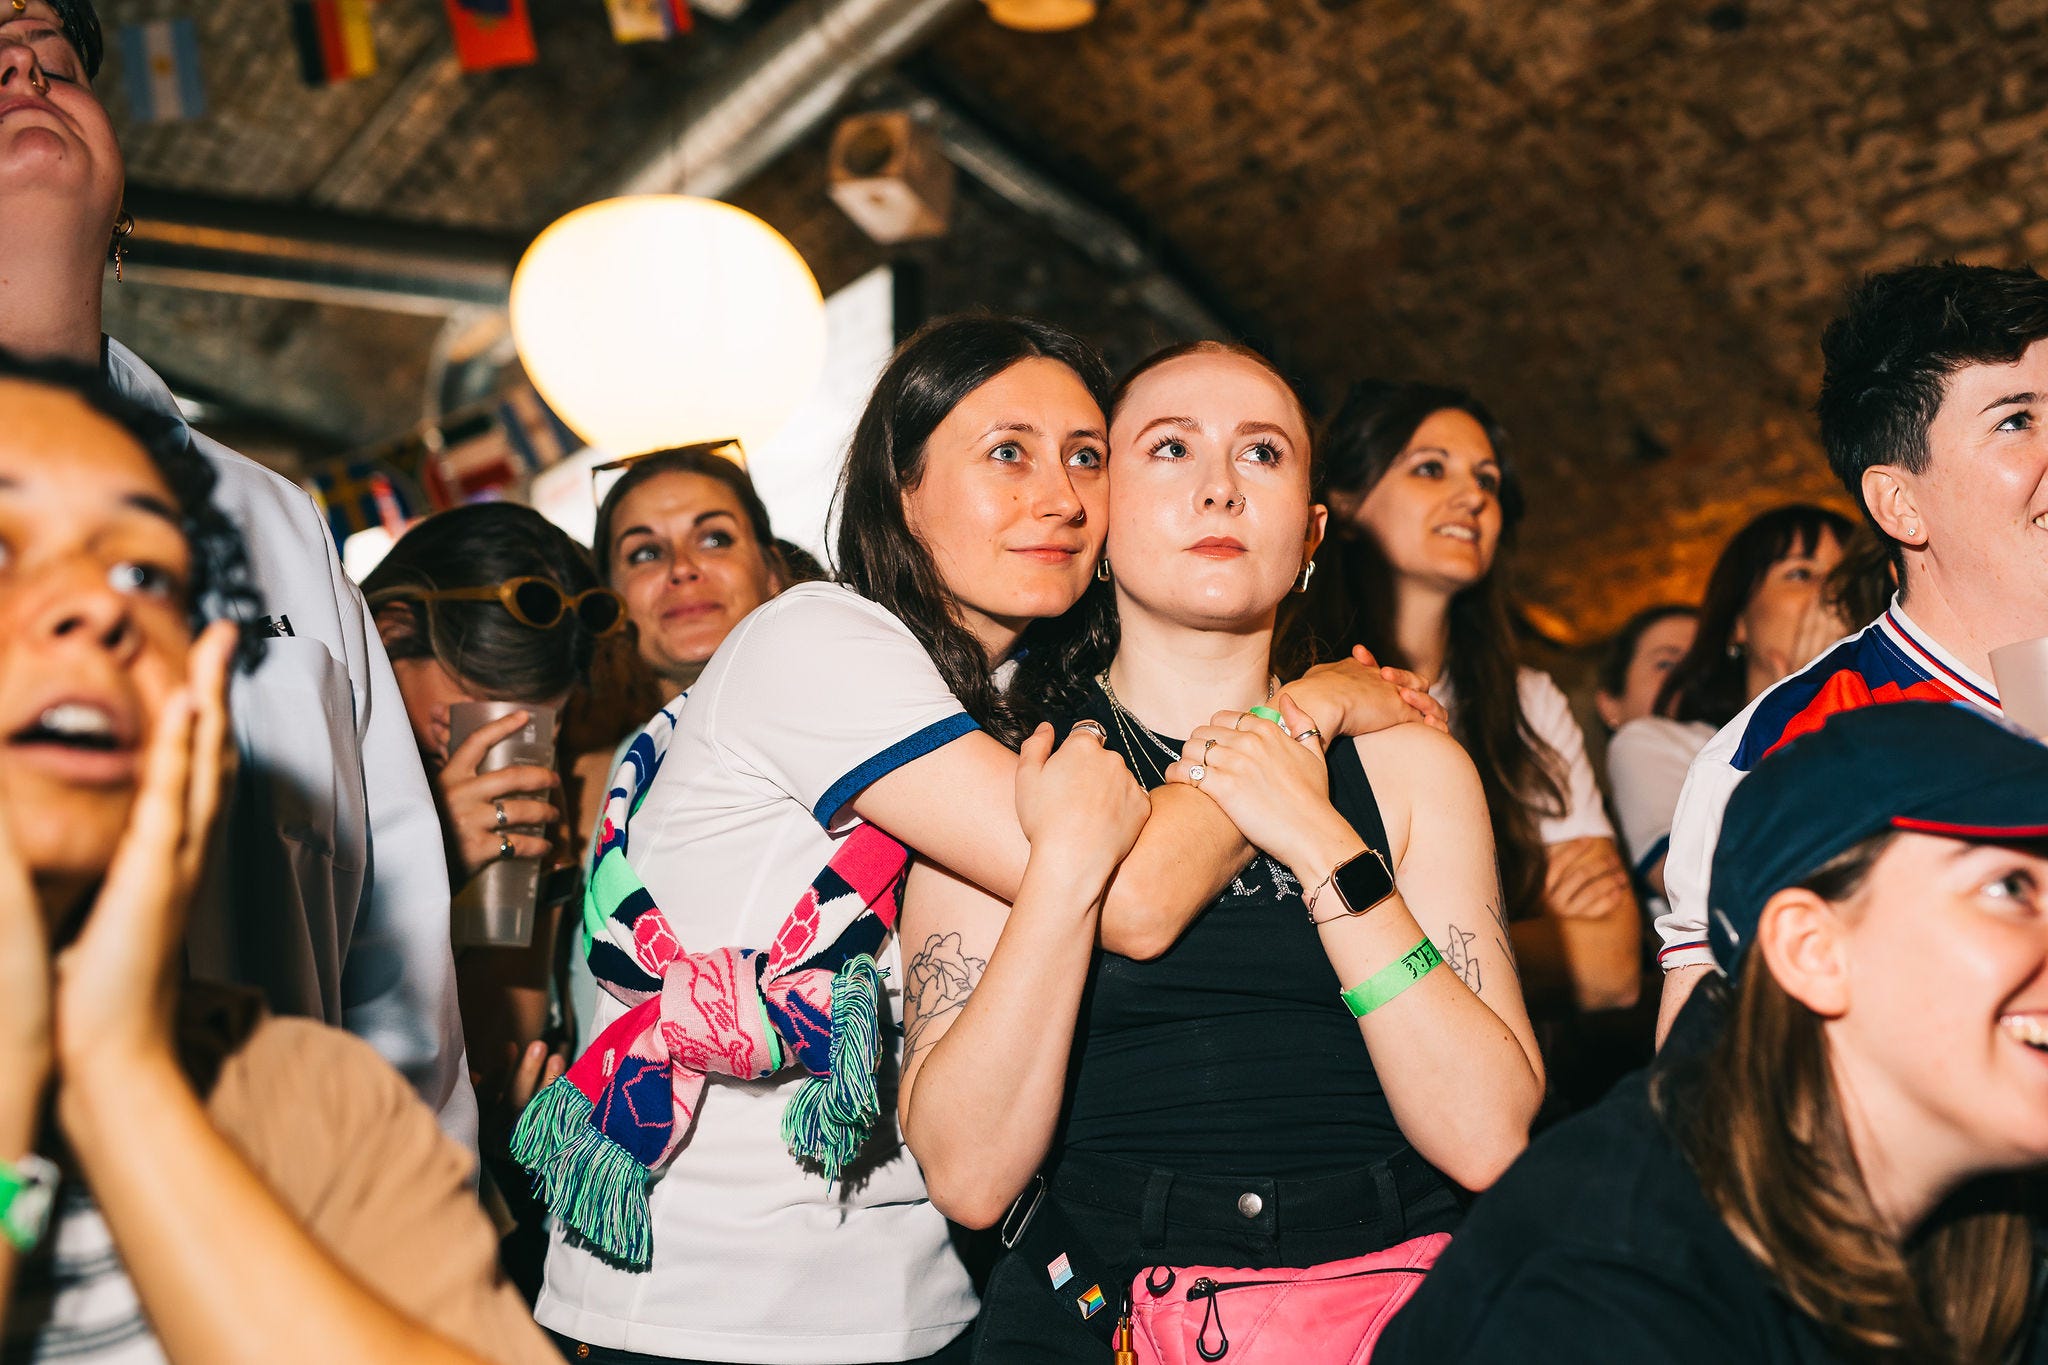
{"x": 587, "y": 1180}
{"x": 829, "y": 1117}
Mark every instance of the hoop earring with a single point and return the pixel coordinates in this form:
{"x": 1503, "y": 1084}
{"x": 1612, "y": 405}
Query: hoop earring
{"x": 123, "y": 225}
{"x": 1102, "y": 569}
{"x": 1308, "y": 571}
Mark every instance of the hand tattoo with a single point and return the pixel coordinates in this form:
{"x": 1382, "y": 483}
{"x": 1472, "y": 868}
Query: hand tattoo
{"x": 941, "y": 977}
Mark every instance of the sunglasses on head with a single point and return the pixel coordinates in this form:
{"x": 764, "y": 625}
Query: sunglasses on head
{"x": 602, "y": 476}
{"x": 536, "y": 602}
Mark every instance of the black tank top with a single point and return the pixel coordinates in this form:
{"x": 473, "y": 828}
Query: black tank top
{"x": 1231, "y": 1053}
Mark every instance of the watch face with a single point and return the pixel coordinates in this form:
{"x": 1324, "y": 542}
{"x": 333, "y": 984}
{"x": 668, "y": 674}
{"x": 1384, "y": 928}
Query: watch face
{"x": 1364, "y": 882}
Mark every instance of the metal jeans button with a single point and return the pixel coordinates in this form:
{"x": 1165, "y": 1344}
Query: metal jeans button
{"x": 1250, "y": 1204}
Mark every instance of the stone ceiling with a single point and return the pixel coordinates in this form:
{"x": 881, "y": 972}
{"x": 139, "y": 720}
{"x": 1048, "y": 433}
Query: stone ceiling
{"x": 1624, "y": 222}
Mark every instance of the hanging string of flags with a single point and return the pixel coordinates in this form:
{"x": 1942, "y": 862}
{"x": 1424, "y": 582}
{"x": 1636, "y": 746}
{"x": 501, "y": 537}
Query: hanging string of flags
{"x": 160, "y": 59}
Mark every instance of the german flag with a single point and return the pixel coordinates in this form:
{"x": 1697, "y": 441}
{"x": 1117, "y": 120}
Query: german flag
{"x": 334, "y": 41}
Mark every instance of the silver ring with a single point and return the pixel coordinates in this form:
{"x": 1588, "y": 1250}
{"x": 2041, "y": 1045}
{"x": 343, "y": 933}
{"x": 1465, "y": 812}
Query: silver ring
{"x": 1207, "y": 745}
{"x": 1093, "y": 727}
{"x": 1311, "y": 733}
{"x": 1197, "y": 773}
{"x": 501, "y": 821}
{"x": 504, "y": 846}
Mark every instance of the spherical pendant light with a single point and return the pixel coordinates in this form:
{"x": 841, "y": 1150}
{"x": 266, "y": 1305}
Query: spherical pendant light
{"x": 1041, "y": 16}
{"x": 657, "y": 320}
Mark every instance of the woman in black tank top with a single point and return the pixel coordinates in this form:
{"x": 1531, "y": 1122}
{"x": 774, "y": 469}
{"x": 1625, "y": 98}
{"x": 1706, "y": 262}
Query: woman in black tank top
{"x": 1222, "y": 1103}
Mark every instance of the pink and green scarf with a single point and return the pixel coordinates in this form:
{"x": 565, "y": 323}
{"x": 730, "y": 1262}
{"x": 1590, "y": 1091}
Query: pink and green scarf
{"x": 595, "y": 1137}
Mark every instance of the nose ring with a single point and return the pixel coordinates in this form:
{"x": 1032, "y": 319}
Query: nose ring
{"x": 1233, "y": 503}
{"x": 37, "y": 81}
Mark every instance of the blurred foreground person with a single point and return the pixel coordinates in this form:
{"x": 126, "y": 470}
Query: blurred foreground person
{"x": 1836, "y": 1156}
{"x": 293, "y": 908}
{"x": 1932, "y": 408}
{"x": 228, "y": 1187}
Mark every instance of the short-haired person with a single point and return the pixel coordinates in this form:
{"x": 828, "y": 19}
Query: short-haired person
{"x": 1424, "y": 500}
{"x": 1833, "y": 1158}
{"x": 840, "y": 728}
{"x": 1765, "y": 613}
{"x": 330, "y": 784}
{"x": 1277, "y": 1125}
{"x": 1633, "y": 668}
{"x": 1934, "y": 415}
{"x": 229, "y": 1187}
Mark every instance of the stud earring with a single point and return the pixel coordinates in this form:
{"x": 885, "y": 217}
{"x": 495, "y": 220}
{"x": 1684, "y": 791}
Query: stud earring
{"x": 1102, "y": 569}
{"x": 123, "y": 225}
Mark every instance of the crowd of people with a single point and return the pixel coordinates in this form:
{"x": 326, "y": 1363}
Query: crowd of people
{"x": 1137, "y": 906}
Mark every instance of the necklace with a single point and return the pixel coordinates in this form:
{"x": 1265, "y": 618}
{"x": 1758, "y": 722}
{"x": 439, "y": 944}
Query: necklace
{"x": 1127, "y": 724}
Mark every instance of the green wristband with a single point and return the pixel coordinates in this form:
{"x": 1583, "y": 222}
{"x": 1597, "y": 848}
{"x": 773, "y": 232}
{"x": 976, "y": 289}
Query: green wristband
{"x": 1267, "y": 713}
{"x": 1389, "y": 981}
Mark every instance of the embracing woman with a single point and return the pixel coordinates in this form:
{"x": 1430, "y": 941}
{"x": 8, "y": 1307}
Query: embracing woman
{"x": 1336, "y": 1043}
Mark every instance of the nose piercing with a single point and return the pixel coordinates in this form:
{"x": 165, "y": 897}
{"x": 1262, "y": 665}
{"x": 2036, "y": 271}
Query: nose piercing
{"x": 38, "y": 82}
{"x": 20, "y": 6}
{"x": 1232, "y": 503}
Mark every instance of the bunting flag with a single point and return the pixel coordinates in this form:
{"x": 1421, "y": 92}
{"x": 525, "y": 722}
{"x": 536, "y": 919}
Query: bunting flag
{"x": 160, "y": 70}
{"x": 491, "y": 33}
{"x": 648, "y": 21}
{"x": 334, "y": 41}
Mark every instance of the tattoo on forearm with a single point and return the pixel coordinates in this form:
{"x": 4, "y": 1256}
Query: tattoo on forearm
{"x": 1460, "y": 958}
{"x": 939, "y": 980}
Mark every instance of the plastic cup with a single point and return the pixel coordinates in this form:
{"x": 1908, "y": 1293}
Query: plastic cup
{"x": 2021, "y": 672}
{"x": 495, "y": 909}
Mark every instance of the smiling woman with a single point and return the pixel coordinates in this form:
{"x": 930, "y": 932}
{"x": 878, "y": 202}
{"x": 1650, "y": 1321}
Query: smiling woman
{"x": 221, "y": 1235}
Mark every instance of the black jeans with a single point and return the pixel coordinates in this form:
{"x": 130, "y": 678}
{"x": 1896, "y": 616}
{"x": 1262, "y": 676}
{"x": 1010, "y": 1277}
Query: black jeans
{"x": 957, "y": 1353}
{"x": 1134, "y": 1216}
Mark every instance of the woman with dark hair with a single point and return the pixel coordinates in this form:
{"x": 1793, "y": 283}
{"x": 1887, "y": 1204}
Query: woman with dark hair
{"x": 492, "y": 602}
{"x": 1638, "y": 659}
{"x": 183, "y": 1177}
{"x": 1424, "y": 501}
{"x": 1836, "y": 1155}
{"x": 1228, "y": 1102}
{"x": 753, "y": 844}
{"x": 1764, "y": 616}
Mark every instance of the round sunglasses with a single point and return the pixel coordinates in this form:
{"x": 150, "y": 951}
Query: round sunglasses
{"x": 536, "y": 602}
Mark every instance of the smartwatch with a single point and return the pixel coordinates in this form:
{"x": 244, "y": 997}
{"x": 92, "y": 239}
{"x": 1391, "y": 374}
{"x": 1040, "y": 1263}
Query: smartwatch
{"x": 28, "y": 1188}
{"x": 1360, "y": 884}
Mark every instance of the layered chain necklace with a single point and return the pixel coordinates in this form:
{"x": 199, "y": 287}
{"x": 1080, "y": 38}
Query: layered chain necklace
{"x": 1131, "y": 728}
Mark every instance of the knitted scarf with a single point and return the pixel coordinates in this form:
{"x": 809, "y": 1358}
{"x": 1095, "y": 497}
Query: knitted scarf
{"x": 594, "y": 1138}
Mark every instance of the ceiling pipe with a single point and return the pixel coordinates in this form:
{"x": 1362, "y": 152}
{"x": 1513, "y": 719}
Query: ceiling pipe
{"x": 783, "y": 83}
{"x": 273, "y": 251}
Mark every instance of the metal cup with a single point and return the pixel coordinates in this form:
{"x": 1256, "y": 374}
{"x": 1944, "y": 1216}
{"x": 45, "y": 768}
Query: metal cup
{"x": 495, "y": 909}
{"x": 2021, "y": 672}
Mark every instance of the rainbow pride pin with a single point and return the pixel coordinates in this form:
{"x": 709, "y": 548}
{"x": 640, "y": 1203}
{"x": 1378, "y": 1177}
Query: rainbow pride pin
{"x": 1091, "y": 1302}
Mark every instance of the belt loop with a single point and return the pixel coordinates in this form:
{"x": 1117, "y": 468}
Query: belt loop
{"x": 1152, "y": 1218}
{"x": 1391, "y": 1217}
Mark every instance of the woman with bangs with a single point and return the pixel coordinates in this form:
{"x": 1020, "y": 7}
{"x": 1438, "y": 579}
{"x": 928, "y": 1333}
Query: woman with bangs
{"x": 751, "y": 854}
{"x": 1215, "y": 1093}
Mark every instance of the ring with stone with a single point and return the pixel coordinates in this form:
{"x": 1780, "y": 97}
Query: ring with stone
{"x": 504, "y": 846}
{"x": 500, "y": 822}
{"x": 1197, "y": 773}
{"x": 1207, "y": 745}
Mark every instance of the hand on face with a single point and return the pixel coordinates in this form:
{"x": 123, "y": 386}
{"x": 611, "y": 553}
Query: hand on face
{"x": 1079, "y": 803}
{"x": 471, "y": 802}
{"x": 117, "y": 983}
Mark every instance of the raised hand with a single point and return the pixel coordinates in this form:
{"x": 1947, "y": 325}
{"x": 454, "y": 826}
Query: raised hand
{"x": 470, "y": 801}
{"x": 1356, "y": 696}
{"x": 1080, "y": 802}
{"x": 117, "y": 984}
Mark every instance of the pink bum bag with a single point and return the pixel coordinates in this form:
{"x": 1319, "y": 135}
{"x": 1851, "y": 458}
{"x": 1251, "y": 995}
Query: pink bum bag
{"x": 1329, "y": 1314}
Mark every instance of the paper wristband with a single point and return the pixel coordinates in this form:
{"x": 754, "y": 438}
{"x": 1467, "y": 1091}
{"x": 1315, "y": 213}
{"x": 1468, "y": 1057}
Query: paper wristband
{"x": 1389, "y": 981}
